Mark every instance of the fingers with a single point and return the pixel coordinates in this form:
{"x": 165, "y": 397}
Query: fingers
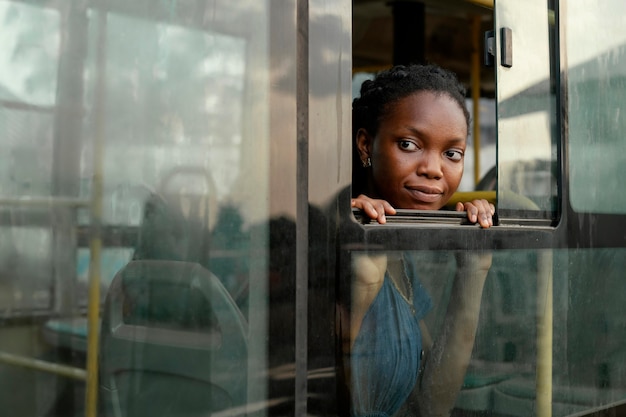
{"x": 478, "y": 211}
{"x": 373, "y": 208}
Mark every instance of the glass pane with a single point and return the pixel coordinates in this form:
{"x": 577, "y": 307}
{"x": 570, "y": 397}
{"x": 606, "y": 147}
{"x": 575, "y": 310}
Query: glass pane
{"x": 482, "y": 333}
{"x": 533, "y": 354}
{"x": 596, "y": 84}
{"x": 187, "y": 144}
{"x": 175, "y": 155}
{"x": 526, "y": 109}
{"x": 167, "y": 104}
{"x": 28, "y": 79}
{"x": 590, "y": 345}
{"x": 584, "y": 349}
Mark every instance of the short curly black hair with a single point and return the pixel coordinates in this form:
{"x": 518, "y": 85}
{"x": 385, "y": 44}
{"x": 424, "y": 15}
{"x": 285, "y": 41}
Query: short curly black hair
{"x": 397, "y": 83}
{"x": 378, "y": 95}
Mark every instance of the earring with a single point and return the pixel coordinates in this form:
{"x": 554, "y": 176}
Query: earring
{"x": 367, "y": 162}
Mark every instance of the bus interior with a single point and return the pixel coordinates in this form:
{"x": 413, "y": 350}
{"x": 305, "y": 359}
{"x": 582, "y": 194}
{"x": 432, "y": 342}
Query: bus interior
{"x": 175, "y": 227}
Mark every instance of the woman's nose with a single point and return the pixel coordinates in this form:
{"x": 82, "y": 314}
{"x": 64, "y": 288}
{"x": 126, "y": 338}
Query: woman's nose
{"x": 429, "y": 164}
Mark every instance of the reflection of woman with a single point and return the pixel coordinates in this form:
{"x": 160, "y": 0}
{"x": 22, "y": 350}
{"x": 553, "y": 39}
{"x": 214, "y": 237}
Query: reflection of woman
{"x": 410, "y": 129}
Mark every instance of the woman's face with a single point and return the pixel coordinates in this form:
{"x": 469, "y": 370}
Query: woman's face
{"x": 417, "y": 155}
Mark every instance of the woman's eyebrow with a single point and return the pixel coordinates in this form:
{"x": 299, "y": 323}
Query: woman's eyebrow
{"x": 414, "y": 131}
{"x": 457, "y": 141}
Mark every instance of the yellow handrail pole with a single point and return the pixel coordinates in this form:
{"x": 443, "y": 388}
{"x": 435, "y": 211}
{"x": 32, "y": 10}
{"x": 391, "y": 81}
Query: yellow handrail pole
{"x": 483, "y": 3}
{"x": 475, "y": 80}
{"x": 544, "y": 333}
{"x": 95, "y": 244}
{"x": 465, "y": 196}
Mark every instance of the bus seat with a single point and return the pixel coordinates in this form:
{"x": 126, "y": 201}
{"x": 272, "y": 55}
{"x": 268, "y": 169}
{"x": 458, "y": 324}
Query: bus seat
{"x": 480, "y": 383}
{"x": 173, "y": 343}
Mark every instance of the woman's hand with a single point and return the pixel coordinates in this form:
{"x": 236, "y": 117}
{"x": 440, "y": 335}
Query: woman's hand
{"x": 373, "y": 208}
{"x": 478, "y": 211}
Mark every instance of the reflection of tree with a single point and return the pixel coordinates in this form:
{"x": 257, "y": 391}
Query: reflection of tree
{"x": 31, "y": 40}
{"x": 168, "y": 84}
{"x": 329, "y": 35}
{"x": 228, "y": 244}
{"x": 28, "y": 66}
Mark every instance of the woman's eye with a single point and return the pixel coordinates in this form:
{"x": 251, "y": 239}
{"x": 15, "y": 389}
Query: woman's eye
{"x": 454, "y": 155}
{"x": 407, "y": 145}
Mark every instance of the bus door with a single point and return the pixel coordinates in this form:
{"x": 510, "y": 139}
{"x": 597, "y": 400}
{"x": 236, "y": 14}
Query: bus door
{"x": 548, "y": 340}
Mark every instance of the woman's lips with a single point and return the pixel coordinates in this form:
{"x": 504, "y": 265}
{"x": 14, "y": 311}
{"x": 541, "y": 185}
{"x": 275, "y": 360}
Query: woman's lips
{"x": 426, "y": 194}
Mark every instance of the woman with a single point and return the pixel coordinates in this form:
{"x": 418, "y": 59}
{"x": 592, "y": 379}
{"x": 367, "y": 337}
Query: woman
{"x": 410, "y": 129}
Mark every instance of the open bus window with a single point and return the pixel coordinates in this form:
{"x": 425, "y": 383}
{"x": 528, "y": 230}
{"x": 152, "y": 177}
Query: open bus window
{"x": 487, "y": 174}
{"x": 524, "y": 169}
{"x": 410, "y": 127}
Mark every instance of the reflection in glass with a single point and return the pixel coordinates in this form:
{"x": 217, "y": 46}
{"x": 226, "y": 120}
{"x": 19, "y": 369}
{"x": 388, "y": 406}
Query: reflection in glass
{"x": 25, "y": 263}
{"x": 26, "y": 157}
{"x": 596, "y": 86}
{"x": 29, "y": 54}
{"x": 526, "y": 111}
{"x": 29, "y": 59}
{"x": 174, "y": 102}
{"x": 517, "y": 352}
{"x": 419, "y": 305}
{"x": 185, "y": 127}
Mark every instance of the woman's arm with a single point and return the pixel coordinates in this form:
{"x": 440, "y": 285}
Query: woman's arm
{"x": 368, "y": 276}
{"x": 447, "y": 360}
{"x": 368, "y": 271}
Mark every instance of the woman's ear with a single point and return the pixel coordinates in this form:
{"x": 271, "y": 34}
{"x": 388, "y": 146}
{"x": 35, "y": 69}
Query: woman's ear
{"x": 363, "y": 144}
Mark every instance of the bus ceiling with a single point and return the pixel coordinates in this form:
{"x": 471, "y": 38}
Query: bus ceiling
{"x": 444, "y": 32}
